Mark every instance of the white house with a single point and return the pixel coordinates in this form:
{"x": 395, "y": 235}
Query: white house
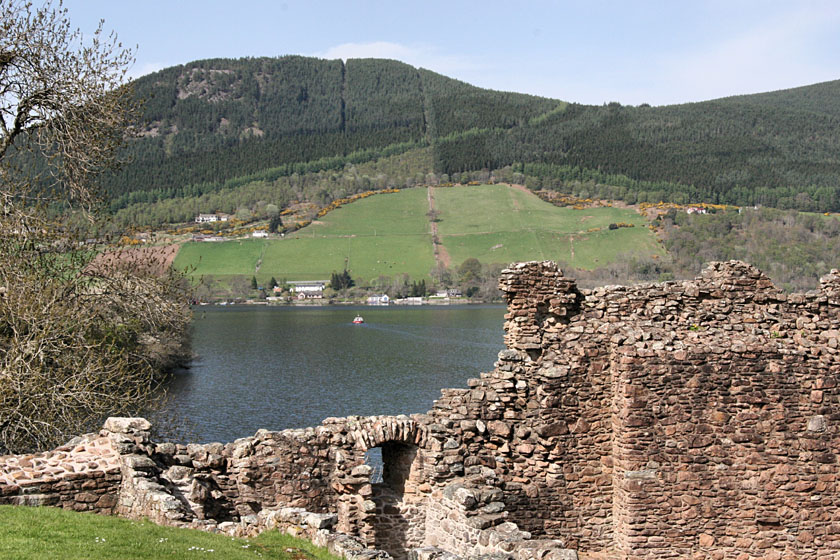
{"x": 204, "y": 218}
{"x": 314, "y": 294}
{"x": 378, "y": 299}
{"x": 259, "y": 234}
{"x": 304, "y": 286}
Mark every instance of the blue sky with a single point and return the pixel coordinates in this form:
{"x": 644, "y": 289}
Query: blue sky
{"x": 653, "y": 52}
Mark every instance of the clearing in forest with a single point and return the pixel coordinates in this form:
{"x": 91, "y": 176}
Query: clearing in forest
{"x": 390, "y": 234}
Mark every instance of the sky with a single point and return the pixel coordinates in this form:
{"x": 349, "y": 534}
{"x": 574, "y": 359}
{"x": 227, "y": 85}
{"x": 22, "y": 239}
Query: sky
{"x": 594, "y": 52}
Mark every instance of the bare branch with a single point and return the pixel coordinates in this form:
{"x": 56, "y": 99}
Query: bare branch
{"x": 84, "y": 332}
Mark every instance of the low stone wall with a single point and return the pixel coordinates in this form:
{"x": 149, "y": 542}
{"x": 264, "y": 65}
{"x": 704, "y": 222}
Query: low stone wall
{"x": 692, "y": 419}
{"x": 83, "y": 475}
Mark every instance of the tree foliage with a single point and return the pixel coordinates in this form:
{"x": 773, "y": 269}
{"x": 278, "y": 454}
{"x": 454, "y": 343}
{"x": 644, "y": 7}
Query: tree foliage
{"x": 341, "y": 280}
{"x": 84, "y": 329}
{"x": 217, "y": 125}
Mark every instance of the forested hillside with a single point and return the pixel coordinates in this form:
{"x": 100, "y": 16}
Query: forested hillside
{"x": 217, "y": 125}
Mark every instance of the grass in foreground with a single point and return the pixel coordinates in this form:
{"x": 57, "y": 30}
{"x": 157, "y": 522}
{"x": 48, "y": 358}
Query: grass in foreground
{"x": 31, "y": 533}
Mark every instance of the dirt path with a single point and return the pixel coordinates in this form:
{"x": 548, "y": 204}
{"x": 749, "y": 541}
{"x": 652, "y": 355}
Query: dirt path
{"x": 522, "y": 188}
{"x": 441, "y": 254}
{"x": 515, "y": 203}
{"x": 259, "y": 261}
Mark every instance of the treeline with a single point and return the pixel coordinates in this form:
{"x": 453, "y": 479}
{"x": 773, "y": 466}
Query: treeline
{"x": 251, "y": 198}
{"x": 215, "y": 120}
{"x": 454, "y": 106}
{"x": 725, "y": 152}
{"x": 263, "y": 175}
{"x": 220, "y": 124}
{"x": 794, "y": 248}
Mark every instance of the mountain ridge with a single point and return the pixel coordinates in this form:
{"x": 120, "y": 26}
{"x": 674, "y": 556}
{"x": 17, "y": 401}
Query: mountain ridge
{"x": 211, "y": 121}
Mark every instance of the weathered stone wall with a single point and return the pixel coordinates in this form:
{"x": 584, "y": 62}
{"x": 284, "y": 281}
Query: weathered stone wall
{"x": 83, "y": 475}
{"x": 664, "y": 420}
{"x": 542, "y": 419}
{"x": 726, "y": 439}
{"x": 680, "y": 420}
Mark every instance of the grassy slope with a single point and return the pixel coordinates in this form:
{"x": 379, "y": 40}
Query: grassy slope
{"x": 381, "y": 235}
{"x": 529, "y": 228}
{"x": 49, "y": 533}
{"x": 389, "y": 234}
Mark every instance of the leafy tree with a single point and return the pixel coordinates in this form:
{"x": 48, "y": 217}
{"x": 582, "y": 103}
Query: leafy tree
{"x": 418, "y": 289}
{"x": 84, "y": 331}
{"x": 470, "y": 270}
{"x": 275, "y": 223}
{"x": 341, "y": 281}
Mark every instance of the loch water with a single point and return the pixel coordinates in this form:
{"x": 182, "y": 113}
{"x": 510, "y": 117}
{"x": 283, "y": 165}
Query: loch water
{"x": 291, "y": 367}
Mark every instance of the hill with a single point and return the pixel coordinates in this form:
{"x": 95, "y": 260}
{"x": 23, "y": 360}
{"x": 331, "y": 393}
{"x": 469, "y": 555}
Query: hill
{"x": 391, "y": 234}
{"x": 216, "y": 126}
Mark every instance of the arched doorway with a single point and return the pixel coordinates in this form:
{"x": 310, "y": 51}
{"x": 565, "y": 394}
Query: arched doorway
{"x": 398, "y": 522}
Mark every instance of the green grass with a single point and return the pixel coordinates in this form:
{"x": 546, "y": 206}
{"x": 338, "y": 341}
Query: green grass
{"x": 222, "y": 258}
{"x": 498, "y": 208}
{"x": 368, "y": 257}
{"x": 385, "y": 234}
{"x": 390, "y": 234}
{"x": 402, "y": 213}
{"x": 600, "y": 248}
{"x": 31, "y": 533}
{"x": 504, "y": 225}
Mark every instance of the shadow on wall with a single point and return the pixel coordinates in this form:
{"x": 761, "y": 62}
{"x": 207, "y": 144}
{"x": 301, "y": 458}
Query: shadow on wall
{"x": 398, "y": 523}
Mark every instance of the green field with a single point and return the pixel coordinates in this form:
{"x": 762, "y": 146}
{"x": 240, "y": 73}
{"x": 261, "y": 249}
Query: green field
{"x": 390, "y": 234}
{"x": 504, "y": 224}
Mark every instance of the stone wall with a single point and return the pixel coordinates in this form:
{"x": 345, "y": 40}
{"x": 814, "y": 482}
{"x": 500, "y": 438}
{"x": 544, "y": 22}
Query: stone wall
{"x": 679, "y": 420}
{"x": 83, "y": 475}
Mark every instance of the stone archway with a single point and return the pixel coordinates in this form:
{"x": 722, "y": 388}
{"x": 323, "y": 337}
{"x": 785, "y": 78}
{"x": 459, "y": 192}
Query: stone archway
{"x": 394, "y": 508}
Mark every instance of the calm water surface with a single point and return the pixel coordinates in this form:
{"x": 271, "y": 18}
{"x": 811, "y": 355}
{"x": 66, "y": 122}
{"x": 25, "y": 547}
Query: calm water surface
{"x": 290, "y": 367}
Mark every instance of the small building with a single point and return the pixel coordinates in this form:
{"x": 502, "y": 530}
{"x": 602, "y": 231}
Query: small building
{"x": 260, "y": 234}
{"x": 205, "y": 218}
{"x": 307, "y": 286}
{"x": 696, "y": 210}
{"x": 310, "y": 295}
{"x": 378, "y": 299}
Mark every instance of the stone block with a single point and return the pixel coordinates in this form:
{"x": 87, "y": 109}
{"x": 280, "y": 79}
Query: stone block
{"x": 118, "y": 424}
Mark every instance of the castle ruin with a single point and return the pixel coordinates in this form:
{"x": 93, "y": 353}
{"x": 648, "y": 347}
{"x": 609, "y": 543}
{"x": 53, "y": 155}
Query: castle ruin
{"x": 693, "y": 419}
